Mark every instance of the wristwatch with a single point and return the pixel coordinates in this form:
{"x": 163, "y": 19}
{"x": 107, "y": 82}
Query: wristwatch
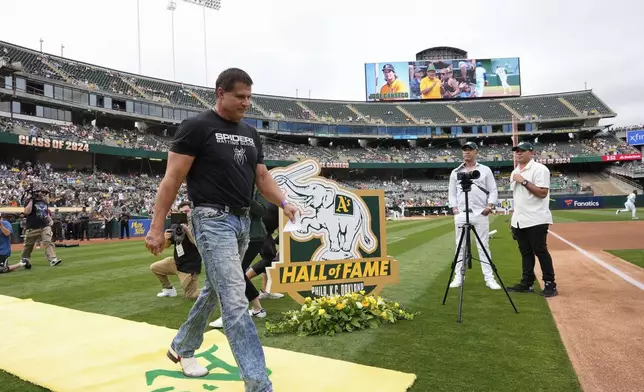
{"x": 524, "y": 182}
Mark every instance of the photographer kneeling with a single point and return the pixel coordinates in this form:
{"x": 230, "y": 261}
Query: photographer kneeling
{"x": 39, "y": 224}
{"x": 185, "y": 263}
{"x": 482, "y": 198}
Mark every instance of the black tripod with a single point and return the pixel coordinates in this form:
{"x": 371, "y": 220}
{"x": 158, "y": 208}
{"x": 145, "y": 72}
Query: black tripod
{"x": 466, "y": 184}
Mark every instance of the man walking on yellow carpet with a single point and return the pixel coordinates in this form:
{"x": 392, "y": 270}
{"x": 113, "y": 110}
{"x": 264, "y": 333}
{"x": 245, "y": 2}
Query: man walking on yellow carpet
{"x": 185, "y": 262}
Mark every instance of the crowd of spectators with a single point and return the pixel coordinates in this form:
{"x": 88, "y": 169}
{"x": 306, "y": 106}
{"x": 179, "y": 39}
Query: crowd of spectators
{"x": 602, "y": 144}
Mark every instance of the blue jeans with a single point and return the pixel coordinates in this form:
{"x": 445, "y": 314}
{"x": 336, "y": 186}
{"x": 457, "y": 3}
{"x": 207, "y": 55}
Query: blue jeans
{"x": 221, "y": 239}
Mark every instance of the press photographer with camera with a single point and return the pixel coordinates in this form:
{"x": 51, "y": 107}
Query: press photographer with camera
{"x": 483, "y": 196}
{"x": 185, "y": 263}
{"x": 39, "y": 225}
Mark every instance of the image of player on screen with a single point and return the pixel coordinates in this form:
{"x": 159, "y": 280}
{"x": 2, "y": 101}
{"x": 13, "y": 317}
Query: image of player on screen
{"x": 416, "y": 74}
{"x": 503, "y": 77}
{"x": 481, "y": 79}
{"x": 393, "y": 87}
{"x": 430, "y": 86}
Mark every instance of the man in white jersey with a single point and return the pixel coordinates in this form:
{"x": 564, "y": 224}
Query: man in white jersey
{"x": 630, "y": 204}
{"x": 481, "y": 79}
{"x": 482, "y": 198}
{"x": 500, "y": 72}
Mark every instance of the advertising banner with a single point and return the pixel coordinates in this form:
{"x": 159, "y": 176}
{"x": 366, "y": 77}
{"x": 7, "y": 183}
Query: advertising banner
{"x": 579, "y": 202}
{"x": 635, "y": 138}
{"x": 443, "y": 79}
{"x": 622, "y": 157}
{"x": 139, "y": 227}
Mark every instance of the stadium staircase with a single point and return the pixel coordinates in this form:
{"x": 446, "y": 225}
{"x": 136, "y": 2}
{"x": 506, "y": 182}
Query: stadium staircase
{"x": 360, "y": 115}
{"x": 509, "y": 109}
{"x": 260, "y": 109}
{"x": 136, "y": 88}
{"x": 311, "y": 112}
{"x": 198, "y": 97}
{"x": 459, "y": 114}
{"x": 571, "y": 107}
{"x": 59, "y": 71}
{"x": 600, "y": 184}
{"x": 409, "y": 114}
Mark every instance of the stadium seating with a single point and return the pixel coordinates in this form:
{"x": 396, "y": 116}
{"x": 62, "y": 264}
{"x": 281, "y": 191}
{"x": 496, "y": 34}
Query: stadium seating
{"x": 551, "y": 106}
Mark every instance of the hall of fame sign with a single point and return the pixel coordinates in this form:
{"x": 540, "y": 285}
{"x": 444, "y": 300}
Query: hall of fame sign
{"x": 341, "y": 244}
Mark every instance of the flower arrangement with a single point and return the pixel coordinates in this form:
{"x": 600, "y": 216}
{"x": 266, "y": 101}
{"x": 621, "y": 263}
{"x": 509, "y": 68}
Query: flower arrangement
{"x": 340, "y": 313}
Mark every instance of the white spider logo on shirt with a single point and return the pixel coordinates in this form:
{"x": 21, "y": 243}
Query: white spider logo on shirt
{"x": 240, "y": 155}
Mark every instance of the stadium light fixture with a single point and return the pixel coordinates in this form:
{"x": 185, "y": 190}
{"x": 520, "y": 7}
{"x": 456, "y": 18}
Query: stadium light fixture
{"x": 213, "y": 5}
{"x": 172, "y": 6}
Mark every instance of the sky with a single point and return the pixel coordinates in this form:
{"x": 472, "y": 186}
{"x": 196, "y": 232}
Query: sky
{"x": 296, "y": 48}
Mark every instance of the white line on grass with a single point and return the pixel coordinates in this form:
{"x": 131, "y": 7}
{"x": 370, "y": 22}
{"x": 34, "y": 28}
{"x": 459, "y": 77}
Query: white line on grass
{"x": 602, "y": 263}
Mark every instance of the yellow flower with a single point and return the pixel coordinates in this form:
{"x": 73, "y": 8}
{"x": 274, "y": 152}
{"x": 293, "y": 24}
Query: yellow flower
{"x": 383, "y": 315}
{"x": 307, "y": 300}
{"x": 365, "y": 303}
{"x": 321, "y": 312}
{"x": 354, "y": 296}
{"x": 340, "y": 306}
{"x": 362, "y": 292}
{"x": 332, "y": 302}
{"x": 396, "y": 305}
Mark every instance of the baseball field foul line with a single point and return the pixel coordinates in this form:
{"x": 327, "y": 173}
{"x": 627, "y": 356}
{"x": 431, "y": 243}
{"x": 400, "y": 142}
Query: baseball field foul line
{"x": 601, "y": 262}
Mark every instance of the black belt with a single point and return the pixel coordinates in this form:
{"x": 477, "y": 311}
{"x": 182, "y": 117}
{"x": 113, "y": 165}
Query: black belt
{"x": 238, "y": 211}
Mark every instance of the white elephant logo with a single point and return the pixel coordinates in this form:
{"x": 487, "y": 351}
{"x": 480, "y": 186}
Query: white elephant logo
{"x": 337, "y": 216}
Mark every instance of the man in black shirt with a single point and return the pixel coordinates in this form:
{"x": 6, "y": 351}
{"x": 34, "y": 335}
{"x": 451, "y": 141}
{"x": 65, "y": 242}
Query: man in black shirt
{"x": 39, "y": 225}
{"x": 84, "y": 224}
{"x": 125, "y": 223}
{"x": 185, "y": 262}
{"x": 221, "y": 158}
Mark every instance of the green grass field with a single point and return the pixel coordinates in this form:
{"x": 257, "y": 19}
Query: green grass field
{"x": 635, "y": 256}
{"x": 494, "y": 349}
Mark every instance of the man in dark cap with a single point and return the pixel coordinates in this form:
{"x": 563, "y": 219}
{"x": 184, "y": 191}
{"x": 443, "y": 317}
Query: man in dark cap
{"x": 482, "y": 198}
{"x": 530, "y": 184}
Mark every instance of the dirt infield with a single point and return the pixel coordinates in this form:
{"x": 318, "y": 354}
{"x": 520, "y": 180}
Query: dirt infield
{"x": 598, "y": 313}
{"x": 94, "y": 241}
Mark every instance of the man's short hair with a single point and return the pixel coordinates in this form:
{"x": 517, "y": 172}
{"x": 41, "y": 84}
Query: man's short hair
{"x": 184, "y": 204}
{"x": 227, "y": 79}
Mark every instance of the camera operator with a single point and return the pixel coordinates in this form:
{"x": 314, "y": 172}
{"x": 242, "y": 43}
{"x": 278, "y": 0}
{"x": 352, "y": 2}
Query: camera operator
{"x": 185, "y": 262}
{"x": 482, "y": 198}
{"x": 39, "y": 225}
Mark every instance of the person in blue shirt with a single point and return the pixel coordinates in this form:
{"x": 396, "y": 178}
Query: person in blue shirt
{"x": 5, "y": 249}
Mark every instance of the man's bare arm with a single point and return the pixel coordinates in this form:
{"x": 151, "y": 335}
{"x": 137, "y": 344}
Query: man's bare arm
{"x": 176, "y": 171}
{"x": 28, "y": 207}
{"x": 535, "y": 190}
{"x": 267, "y": 185}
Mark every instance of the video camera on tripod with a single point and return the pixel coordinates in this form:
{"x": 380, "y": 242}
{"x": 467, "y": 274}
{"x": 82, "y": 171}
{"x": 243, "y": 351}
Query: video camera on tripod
{"x": 465, "y": 241}
{"x": 466, "y": 177}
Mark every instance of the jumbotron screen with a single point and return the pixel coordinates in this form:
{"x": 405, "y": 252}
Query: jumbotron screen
{"x": 443, "y": 79}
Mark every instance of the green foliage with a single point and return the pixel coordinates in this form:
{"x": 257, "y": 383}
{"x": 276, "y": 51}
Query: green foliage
{"x": 335, "y": 314}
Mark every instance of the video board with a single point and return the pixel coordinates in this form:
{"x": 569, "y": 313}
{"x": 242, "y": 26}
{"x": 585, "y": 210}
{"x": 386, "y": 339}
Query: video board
{"x": 443, "y": 79}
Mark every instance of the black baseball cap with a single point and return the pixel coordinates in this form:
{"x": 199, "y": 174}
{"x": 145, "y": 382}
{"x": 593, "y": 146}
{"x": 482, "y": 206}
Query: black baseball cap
{"x": 388, "y": 66}
{"x": 523, "y": 146}
{"x": 471, "y": 145}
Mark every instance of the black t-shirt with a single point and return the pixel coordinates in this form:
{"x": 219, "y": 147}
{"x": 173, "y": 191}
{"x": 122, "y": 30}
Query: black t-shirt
{"x": 37, "y": 219}
{"x": 190, "y": 262}
{"x": 226, "y": 155}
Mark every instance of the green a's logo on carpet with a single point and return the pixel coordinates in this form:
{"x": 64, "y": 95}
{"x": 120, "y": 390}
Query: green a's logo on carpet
{"x": 340, "y": 245}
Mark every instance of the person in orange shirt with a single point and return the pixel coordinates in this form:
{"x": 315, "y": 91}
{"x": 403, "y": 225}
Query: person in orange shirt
{"x": 394, "y": 88}
{"x": 430, "y": 86}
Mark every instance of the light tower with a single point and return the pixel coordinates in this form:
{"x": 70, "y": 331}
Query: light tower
{"x": 171, "y": 7}
{"x": 213, "y": 5}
